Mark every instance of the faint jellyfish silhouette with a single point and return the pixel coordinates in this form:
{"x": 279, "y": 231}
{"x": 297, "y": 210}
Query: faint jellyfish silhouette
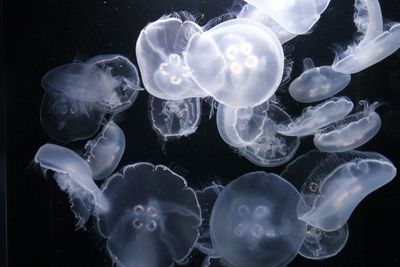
{"x": 159, "y": 52}
{"x": 74, "y": 176}
{"x": 351, "y": 132}
{"x": 377, "y": 40}
{"x": 316, "y": 117}
{"x": 270, "y": 148}
{"x": 104, "y": 153}
{"x": 338, "y": 183}
{"x": 319, "y": 244}
{"x": 174, "y": 118}
{"x": 254, "y": 221}
{"x": 317, "y": 83}
{"x": 238, "y": 62}
{"x": 153, "y": 218}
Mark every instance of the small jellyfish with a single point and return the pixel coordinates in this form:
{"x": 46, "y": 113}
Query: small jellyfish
{"x": 319, "y": 244}
{"x": 270, "y": 148}
{"x": 174, "y": 118}
{"x": 104, "y": 153}
{"x": 351, "y": 132}
{"x": 335, "y": 187}
{"x": 159, "y": 52}
{"x": 377, "y": 40}
{"x": 317, "y": 83}
{"x": 239, "y": 62}
{"x": 74, "y": 176}
{"x": 254, "y": 221}
{"x": 317, "y": 117}
{"x": 153, "y": 218}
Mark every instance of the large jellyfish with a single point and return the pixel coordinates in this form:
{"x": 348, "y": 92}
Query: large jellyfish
{"x": 104, "y": 153}
{"x": 317, "y": 83}
{"x": 351, "y": 132}
{"x": 314, "y": 118}
{"x": 238, "y": 62}
{"x": 159, "y": 52}
{"x": 74, "y": 176}
{"x": 153, "y": 218}
{"x": 174, "y": 118}
{"x": 254, "y": 221}
{"x": 377, "y": 40}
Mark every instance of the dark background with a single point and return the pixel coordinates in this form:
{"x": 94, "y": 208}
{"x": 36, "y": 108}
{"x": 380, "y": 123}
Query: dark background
{"x": 42, "y": 34}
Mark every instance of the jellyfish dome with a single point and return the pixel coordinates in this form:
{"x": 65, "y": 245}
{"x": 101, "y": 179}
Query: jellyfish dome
{"x": 254, "y": 221}
{"x": 159, "y": 52}
{"x": 153, "y": 218}
{"x": 238, "y": 62}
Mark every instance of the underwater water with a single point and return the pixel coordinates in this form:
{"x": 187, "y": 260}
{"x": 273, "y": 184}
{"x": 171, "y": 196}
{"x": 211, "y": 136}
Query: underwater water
{"x": 43, "y": 231}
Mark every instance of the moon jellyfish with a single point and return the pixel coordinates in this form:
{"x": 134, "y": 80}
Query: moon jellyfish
{"x": 153, "y": 218}
{"x": 175, "y": 118}
{"x": 104, "y": 153}
{"x": 270, "y": 148}
{"x": 254, "y": 221}
{"x": 319, "y": 244}
{"x": 378, "y": 41}
{"x": 159, "y": 52}
{"x": 337, "y": 185}
{"x": 238, "y": 62}
{"x": 314, "y": 118}
{"x": 351, "y": 132}
{"x": 74, "y": 176}
{"x": 66, "y": 119}
{"x": 317, "y": 83}
{"x": 122, "y": 80}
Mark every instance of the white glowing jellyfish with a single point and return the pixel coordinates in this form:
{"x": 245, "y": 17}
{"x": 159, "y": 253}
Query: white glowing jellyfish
{"x": 314, "y": 118}
{"x": 174, "y": 118}
{"x": 104, "y": 153}
{"x": 317, "y": 83}
{"x": 74, "y": 176}
{"x": 351, "y": 132}
{"x": 159, "y": 52}
{"x": 153, "y": 218}
{"x": 377, "y": 40}
{"x": 238, "y": 62}
{"x": 254, "y": 221}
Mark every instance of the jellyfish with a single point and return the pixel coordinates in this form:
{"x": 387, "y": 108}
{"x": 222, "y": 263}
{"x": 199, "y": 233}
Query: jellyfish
{"x": 317, "y": 83}
{"x": 159, "y": 52}
{"x": 351, "y": 132}
{"x": 271, "y": 149}
{"x": 153, "y": 218}
{"x": 377, "y": 40}
{"x": 319, "y": 244}
{"x": 74, "y": 176}
{"x": 174, "y": 118}
{"x": 338, "y": 183}
{"x": 104, "y": 153}
{"x": 239, "y": 62}
{"x": 254, "y": 221}
{"x": 295, "y": 16}
{"x": 317, "y": 117}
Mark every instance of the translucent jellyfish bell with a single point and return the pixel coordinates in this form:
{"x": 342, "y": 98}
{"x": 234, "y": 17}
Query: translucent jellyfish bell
{"x": 74, "y": 176}
{"x": 377, "y": 40}
{"x": 254, "y": 221}
{"x": 337, "y": 185}
{"x": 319, "y": 116}
{"x": 104, "y": 153}
{"x": 238, "y": 62}
{"x": 159, "y": 54}
{"x": 317, "y": 83}
{"x": 153, "y": 218}
{"x": 351, "y": 132}
{"x": 174, "y": 118}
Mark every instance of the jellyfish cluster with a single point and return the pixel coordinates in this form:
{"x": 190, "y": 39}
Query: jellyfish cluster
{"x": 148, "y": 214}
